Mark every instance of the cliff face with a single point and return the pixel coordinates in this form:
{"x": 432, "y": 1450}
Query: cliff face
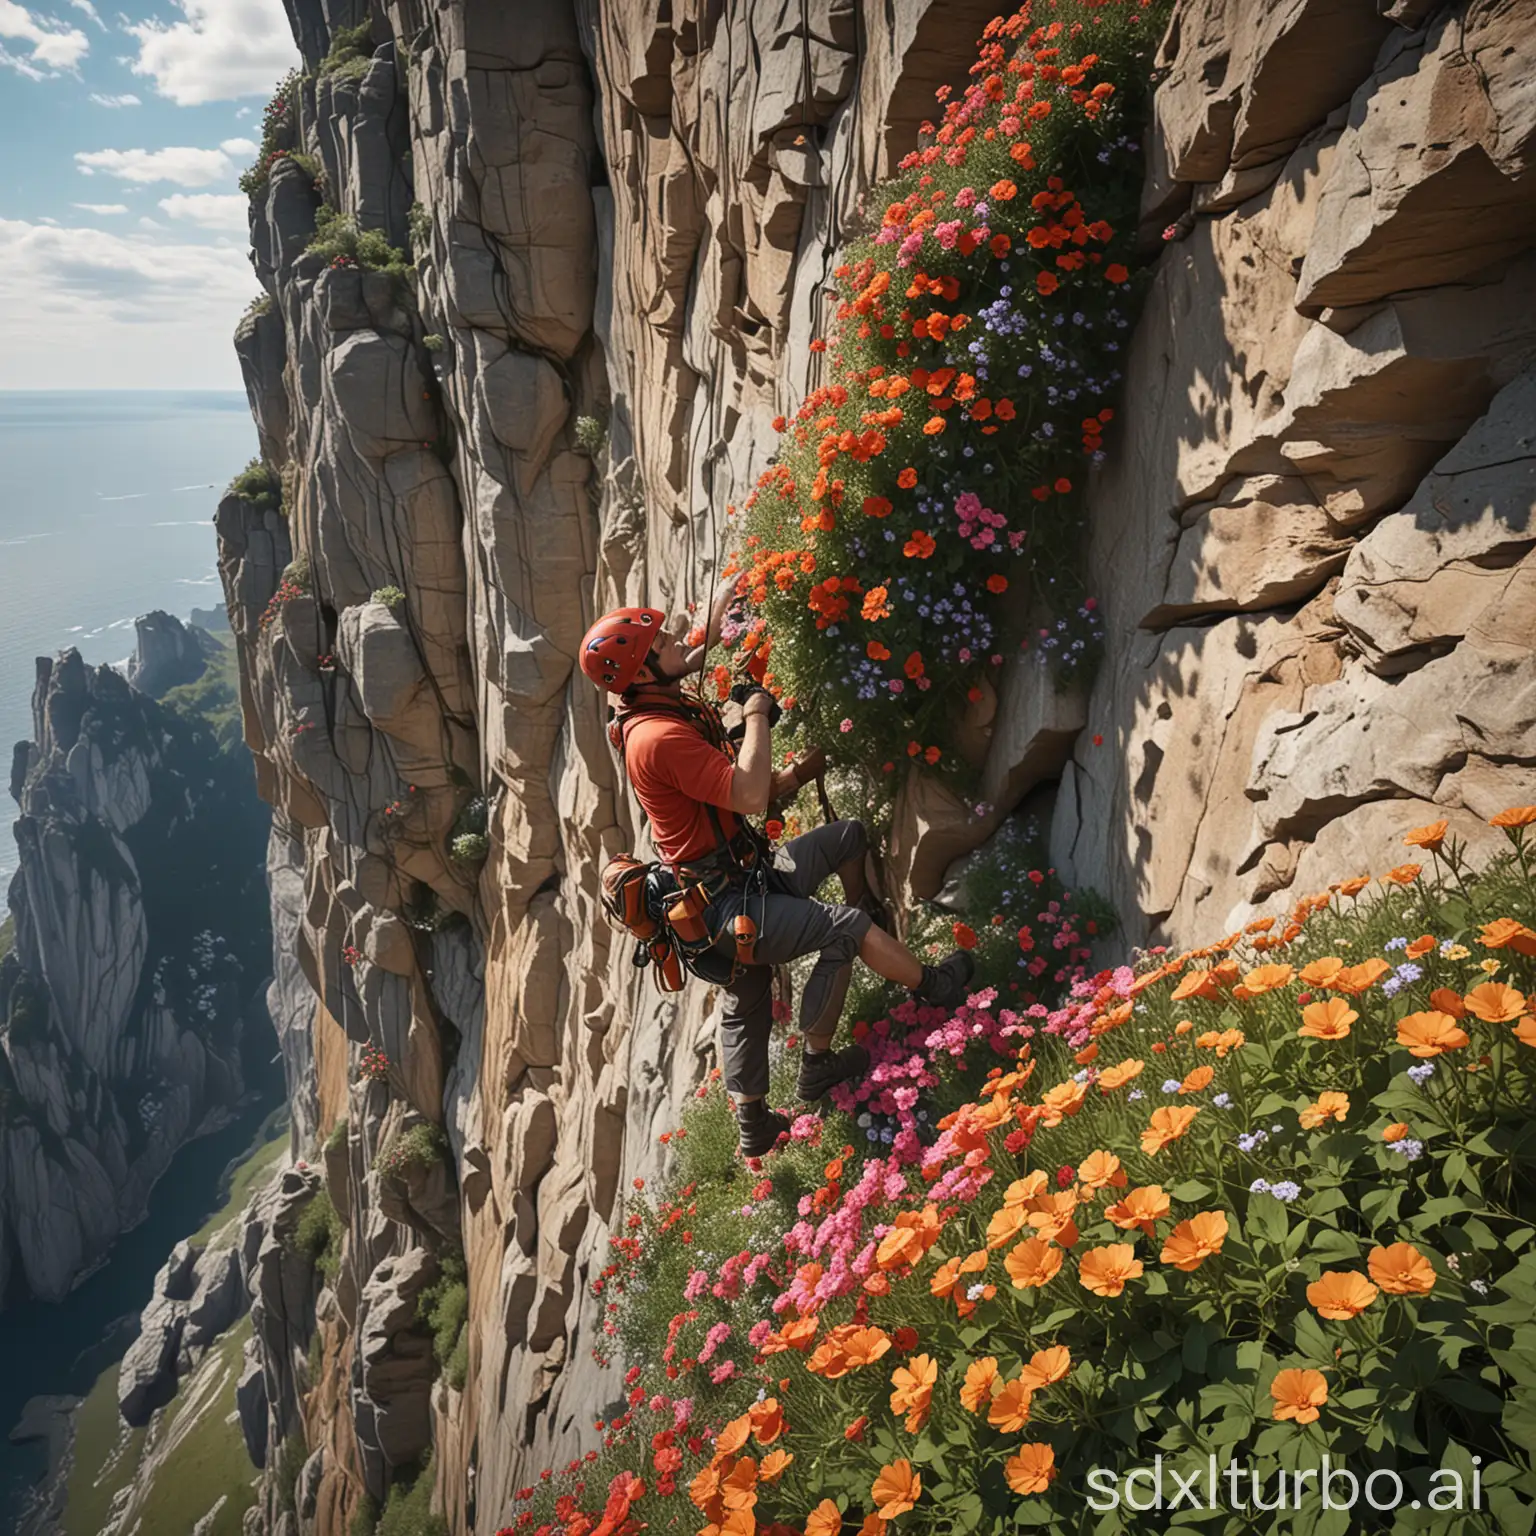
{"x": 1312, "y": 546}
{"x": 138, "y": 914}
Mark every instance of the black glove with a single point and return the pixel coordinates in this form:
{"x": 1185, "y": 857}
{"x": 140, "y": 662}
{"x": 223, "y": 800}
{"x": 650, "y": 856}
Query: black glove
{"x": 744, "y": 691}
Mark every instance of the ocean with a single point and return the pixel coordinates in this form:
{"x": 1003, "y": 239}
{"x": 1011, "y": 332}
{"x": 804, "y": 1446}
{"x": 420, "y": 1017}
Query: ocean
{"x": 106, "y": 506}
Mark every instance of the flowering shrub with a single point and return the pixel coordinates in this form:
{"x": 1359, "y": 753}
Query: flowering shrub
{"x": 288, "y": 588}
{"x": 1264, "y": 1199}
{"x": 419, "y": 1147}
{"x": 374, "y": 1066}
{"x": 278, "y": 121}
{"x": 923, "y": 517}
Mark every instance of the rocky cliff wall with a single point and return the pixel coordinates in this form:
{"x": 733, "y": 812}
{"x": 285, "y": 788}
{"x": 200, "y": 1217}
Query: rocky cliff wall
{"x": 1311, "y": 547}
{"x": 140, "y": 917}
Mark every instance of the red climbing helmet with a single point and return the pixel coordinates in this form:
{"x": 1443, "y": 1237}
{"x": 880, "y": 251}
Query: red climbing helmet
{"x": 615, "y": 648}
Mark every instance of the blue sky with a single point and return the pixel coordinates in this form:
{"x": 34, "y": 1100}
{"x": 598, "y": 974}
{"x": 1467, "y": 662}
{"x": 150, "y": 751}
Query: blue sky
{"x": 122, "y": 232}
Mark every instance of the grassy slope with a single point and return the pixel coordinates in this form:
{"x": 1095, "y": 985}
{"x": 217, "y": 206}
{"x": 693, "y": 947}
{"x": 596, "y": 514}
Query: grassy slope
{"x": 7, "y": 935}
{"x": 212, "y": 1460}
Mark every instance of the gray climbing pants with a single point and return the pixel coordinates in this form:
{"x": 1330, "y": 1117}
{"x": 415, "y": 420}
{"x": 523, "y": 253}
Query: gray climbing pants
{"x": 789, "y": 924}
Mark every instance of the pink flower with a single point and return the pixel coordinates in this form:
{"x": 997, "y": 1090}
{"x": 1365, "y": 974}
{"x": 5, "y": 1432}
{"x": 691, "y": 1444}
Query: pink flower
{"x": 845, "y": 726}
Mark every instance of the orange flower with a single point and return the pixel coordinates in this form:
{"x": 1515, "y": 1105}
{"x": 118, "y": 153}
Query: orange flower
{"x": 1355, "y": 979}
{"x": 1105, "y": 1270}
{"x": 1061, "y": 1102}
{"x": 1506, "y": 933}
{"x": 875, "y": 607}
{"x": 1198, "y": 1079}
{"x": 1494, "y": 1003}
{"x": 919, "y": 546}
{"x": 767, "y": 1420}
{"x": 1226, "y": 1040}
{"x": 1297, "y": 1395}
{"x": 1194, "y": 1241}
{"x": 1404, "y": 874}
{"x": 1328, "y": 1020}
{"x": 1046, "y": 1366}
{"x": 1101, "y": 1170}
{"x": 910, "y": 1237}
{"x": 1009, "y": 1410}
{"x": 1002, "y": 191}
{"x": 997, "y": 583}
{"x": 1401, "y": 1270}
{"x": 1431, "y": 1033}
{"x": 1448, "y": 1001}
{"x": 1515, "y": 816}
{"x": 1142, "y": 1207}
{"x": 1321, "y": 973}
{"x": 1395, "y": 1132}
{"x": 980, "y": 1383}
{"x": 1195, "y": 984}
{"x": 825, "y": 1520}
{"x": 1031, "y": 1469}
{"x": 1341, "y": 1294}
{"x": 1329, "y": 1106}
{"x": 877, "y": 506}
{"x": 1525, "y": 1030}
{"x": 914, "y": 1390}
{"x": 1428, "y": 838}
{"x": 733, "y": 1436}
{"x": 1168, "y": 1124}
{"x": 896, "y": 1489}
{"x": 1267, "y": 978}
{"x": 907, "y": 478}
{"x": 1420, "y": 946}
{"x": 1120, "y": 1074}
{"x": 855, "y": 1431}
{"x": 1033, "y": 1263}
{"x": 933, "y": 426}
{"x": 773, "y": 1465}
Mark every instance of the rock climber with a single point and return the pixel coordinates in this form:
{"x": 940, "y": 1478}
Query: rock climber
{"x": 696, "y": 793}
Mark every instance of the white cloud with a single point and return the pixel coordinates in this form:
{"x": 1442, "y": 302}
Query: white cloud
{"x": 243, "y": 112}
{"x": 182, "y": 166}
{"x": 102, "y": 208}
{"x": 222, "y": 49}
{"x": 56, "y": 47}
{"x": 209, "y": 210}
{"x": 239, "y": 147}
{"x": 145, "y": 222}
{"x": 95, "y": 307}
{"x": 91, "y": 11}
{"x": 127, "y": 99}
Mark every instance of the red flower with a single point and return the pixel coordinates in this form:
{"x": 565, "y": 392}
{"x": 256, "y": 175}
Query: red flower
{"x": 965, "y": 935}
{"x": 997, "y": 583}
{"x": 1046, "y": 282}
{"x": 774, "y": 829}
{"x": 1115, "y": 273}
{"x": 907, "y": 478}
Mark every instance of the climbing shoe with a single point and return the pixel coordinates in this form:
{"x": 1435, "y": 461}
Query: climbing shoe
{"x": 822, "y": 1071}
{"x": 759, "y": 1127}
{"x": 946, "y": 984}
{"x": 879, "y": 913}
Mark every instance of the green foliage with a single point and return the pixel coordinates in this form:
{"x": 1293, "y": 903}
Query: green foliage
{"x": 408, "y": 1511}
{"x": 319, "y": 1233}
{"x": 419, "y": 228}
{"x": 390, "y": 596}
{"x": 257, "y": 484}
{"x": 444, "y": 1308}
{"x": 213, "y": 700}
{"x": 291, "y": 1457}
{"x": 338, "y": 1137}
{"x": 591, "y": 435}
{"x": 351, "y": 52}
{"x": 419, "y": 1147}
{"x": 340, "y": 243}
{"x": 7, "y": 935}
{"x": 433, "y": 342}
{"x": 365, "y": 1519}
{"x": 297, "y": 574}
{"x": 470, "y": 848}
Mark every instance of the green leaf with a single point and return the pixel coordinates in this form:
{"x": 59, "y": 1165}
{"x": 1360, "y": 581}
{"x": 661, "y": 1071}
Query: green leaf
{"x": 1191, "y": 1190}
{"x": 1267, "y": 1218}
{"x": 1467, "y": 1394}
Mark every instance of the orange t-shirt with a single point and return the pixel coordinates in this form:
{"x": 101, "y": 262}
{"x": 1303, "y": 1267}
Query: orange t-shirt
{"x": 675, "y": 773}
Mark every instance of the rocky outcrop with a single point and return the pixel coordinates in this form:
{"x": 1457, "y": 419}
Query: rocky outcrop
{"x": 168, "y": 653}
{"x": 140, "y": 917}
{"x": 1311, "y": 545}
{"x": 199, "y": 1292}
